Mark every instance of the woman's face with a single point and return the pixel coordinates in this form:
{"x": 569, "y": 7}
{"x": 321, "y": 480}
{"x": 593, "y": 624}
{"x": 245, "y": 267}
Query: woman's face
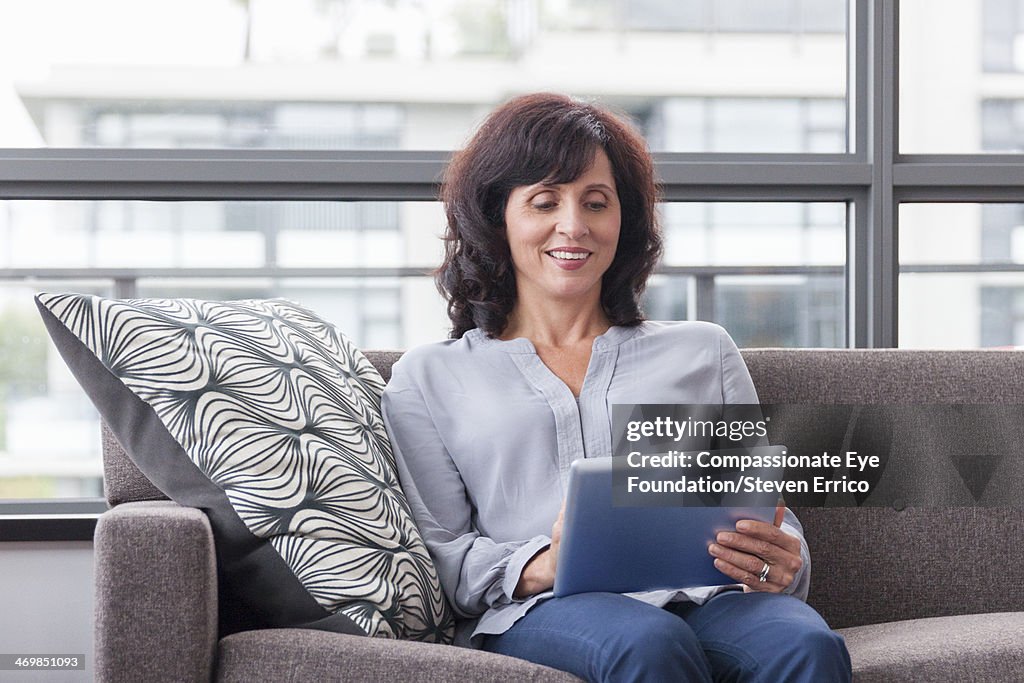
{"x": 563, "y": 237}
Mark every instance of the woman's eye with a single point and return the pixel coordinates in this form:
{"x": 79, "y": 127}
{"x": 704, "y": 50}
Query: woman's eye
{"x": 597, "y": 206}
{"x": 543, "y": 206}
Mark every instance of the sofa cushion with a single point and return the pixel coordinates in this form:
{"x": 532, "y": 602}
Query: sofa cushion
{"x": 293, "y": 655}
{"x": 268, "y": 419}
{"x": 976, "y": 647}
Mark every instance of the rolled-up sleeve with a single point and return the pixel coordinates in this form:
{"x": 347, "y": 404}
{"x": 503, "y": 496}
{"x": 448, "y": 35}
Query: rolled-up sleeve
{"x": 802, "y": 581}
{"x": 476, "y": 572}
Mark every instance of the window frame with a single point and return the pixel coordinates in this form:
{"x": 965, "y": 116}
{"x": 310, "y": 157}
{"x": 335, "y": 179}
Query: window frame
{"x": 873, "y": 178}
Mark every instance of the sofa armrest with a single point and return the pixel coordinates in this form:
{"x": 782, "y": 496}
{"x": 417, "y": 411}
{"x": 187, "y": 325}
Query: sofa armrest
{"x": 156, "y": 594}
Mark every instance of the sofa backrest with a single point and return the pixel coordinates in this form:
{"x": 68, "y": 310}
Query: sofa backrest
{"x": 886, "y": 376}
{"x": 878, "y": 564}
{"x": 874, "y": 564}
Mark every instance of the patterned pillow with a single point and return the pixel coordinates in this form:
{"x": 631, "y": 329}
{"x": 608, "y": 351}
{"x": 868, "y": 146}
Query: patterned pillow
{"x": 268, "y": 419}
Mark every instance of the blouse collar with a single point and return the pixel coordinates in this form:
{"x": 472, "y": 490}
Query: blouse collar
{"x": 615, "y": 335}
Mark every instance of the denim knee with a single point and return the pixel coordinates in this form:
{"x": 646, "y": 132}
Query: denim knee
{"x": 824, "y": 655}
{"x": 659, "y": 648}
{"x": 767, "y": 637}
{"x": 809, "y": 652}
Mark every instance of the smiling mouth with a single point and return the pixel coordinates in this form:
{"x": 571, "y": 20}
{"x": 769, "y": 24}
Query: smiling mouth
{"x": 569, "y": 255}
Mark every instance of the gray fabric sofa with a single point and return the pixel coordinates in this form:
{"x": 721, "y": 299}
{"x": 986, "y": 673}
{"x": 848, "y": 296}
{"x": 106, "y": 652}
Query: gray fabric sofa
{"x": 919, "y": 593}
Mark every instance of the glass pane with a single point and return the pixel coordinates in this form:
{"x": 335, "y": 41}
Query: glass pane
{"x": 49, "y": 431}
{"x": 142, "y": 234}
{"x": 770, "y": 124}
{"x": 754, "y": 233}
{"x": 937, "y": 233}
{"x": 757, "y": 311}
{"x": 957, "y": 234}
{"x": 961, "y": 310}
{"x": 960, "y": 89}
{"x": 787, "y": 311}
{"x": 417, "y": 74}
{"x": 375, "y": 312}
{"x": 945, "y": 301}
{"x": 802, "y": 306}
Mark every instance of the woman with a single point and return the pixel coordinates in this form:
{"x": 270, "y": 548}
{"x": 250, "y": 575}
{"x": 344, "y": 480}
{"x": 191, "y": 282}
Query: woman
{"x": 551, "y": 237}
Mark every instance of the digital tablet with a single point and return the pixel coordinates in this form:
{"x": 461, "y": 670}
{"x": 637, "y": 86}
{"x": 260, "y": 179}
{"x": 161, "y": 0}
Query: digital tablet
{"x": 623, "y": 549}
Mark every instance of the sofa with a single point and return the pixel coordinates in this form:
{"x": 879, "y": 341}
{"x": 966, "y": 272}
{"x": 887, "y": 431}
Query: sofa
{"x": 930, "y": 591}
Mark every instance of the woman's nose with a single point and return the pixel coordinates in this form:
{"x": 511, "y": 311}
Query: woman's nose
{"x": 572, "y": 223}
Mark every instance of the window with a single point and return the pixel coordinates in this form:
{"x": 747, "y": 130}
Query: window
{"x": 960, "y": 85}
{"x": 718, "y": 124}
{"x": 806, "y": 202}
{"x": 961, "y": 275}
{"x": 49, "y": 431}
{"x": 771, "y": 272}
{"x": 363, "y": 265}
{"x": 414, "y": 74}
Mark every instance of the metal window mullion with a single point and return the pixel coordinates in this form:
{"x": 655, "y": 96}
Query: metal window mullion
{"x": 125, "y": 287}
{"x": 881, "y": 230}
{"x": 858, "y": 287}
{"x": 959, "y": 178}
{"x": 704, "y": 288}
{"x": 858, "y": 81}
{"x": 215, "y": 174}
{"x": 126, "y": 278}
{"x": 145, "y": 177}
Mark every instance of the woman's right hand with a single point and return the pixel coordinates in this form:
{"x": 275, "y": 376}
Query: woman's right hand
{"x": 539, "y": 573}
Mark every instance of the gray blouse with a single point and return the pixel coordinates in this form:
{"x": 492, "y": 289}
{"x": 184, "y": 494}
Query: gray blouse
{"x": 484, "y": 433}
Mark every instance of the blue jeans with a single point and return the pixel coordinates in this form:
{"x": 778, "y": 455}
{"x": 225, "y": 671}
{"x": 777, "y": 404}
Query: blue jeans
{"x": 735, "y": 636}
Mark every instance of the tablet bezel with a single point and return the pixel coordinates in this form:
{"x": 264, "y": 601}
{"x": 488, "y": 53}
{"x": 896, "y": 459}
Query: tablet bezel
{"x": 623, "y": 549}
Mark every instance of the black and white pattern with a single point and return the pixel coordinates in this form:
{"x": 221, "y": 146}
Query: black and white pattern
{"x": 282, "y": 413}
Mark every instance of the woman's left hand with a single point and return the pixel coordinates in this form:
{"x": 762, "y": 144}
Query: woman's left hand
{"x": 759, "y": 555}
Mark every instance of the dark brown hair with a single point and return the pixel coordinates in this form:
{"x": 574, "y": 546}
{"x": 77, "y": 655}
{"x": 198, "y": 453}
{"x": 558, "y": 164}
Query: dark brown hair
{"x": 529, "y": 139}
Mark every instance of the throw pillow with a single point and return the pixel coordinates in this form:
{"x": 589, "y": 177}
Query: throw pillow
{"x": 267, "y": 418}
